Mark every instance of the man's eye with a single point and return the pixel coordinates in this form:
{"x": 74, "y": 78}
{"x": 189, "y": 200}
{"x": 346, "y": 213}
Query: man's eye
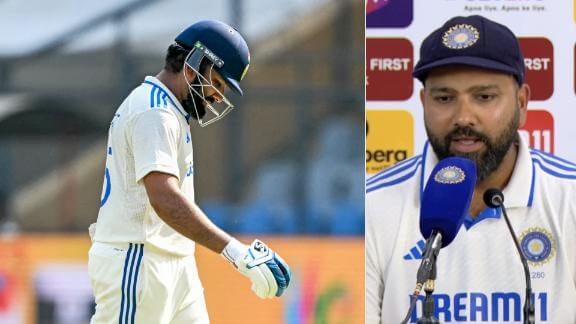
{"x": 442, "y": 99}
{"x": 486, "y": 97}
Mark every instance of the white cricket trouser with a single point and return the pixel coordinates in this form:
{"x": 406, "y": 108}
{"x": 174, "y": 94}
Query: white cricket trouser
{"x": 135, "y": 283}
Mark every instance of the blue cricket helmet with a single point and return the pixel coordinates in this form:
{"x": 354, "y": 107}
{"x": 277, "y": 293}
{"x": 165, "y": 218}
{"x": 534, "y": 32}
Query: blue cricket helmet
{"x": 221, "y": 44}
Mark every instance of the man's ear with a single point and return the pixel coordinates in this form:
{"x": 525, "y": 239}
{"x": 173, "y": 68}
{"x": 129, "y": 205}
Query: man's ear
{"x": 523, "y": 99}
{"x": 422, "y": 96}
{"x": 190, "y": 74}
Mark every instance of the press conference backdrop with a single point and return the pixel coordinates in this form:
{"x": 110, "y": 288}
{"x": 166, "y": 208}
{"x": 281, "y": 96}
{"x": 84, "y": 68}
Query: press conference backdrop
{"x": 394, "y": 32}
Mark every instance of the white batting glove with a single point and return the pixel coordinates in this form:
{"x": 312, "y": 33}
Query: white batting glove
{"x": 270, "y": 275}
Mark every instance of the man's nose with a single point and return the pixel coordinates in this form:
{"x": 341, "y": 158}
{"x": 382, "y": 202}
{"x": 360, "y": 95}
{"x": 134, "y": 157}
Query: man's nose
{"x": 465, "y": 113}
{"x": 215, "y": 98}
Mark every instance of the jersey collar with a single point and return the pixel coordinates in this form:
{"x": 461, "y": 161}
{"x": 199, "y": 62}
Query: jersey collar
{"x": 520, "y": 189}
{"x": 175, "y": 102}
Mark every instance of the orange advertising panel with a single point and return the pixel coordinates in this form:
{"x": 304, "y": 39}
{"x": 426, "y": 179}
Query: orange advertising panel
{"x": 45, "y": 279}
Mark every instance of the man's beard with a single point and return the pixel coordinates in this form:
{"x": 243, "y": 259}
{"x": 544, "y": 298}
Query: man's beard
{"x": 194, "y": 105}
{"x": 490, "y": 160}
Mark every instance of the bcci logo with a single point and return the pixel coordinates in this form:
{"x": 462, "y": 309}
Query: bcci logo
{"x": 537, "y": 245}
{"x": 460, "y": 36}
{"x": 450, "y": 175}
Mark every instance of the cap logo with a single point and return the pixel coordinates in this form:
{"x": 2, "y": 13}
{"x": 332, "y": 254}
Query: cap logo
{"x": 450, "y": 175}
{"x": 460, "y": 36}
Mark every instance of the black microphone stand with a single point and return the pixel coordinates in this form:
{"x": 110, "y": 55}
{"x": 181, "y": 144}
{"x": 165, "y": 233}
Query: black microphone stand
{"x": 495, "y": 198}
{"x": 429, "y": 306}
{"x": 528, "y": 303}
{"x": 425, "y": 277}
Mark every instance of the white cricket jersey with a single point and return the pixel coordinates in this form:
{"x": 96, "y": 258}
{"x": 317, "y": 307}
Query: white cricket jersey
{"x": 149, "y": 132}
{"x": 479, "y": 275}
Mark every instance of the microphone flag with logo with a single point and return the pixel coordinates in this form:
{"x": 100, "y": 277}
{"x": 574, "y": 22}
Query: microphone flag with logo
{"x": 445, "y": 203}
{"x": 446, "y": 198}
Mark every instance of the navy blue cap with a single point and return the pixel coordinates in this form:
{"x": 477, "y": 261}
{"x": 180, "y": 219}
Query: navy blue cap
{"x": 223, "y": 45}
{"x": 472, "y": 41}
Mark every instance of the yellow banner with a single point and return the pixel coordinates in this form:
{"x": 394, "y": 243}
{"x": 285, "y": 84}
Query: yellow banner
{"x": 41, "y": 276}
{"x": 389, "y": 138}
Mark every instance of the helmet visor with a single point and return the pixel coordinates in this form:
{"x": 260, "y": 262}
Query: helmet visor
{"x": 209, "y": 102}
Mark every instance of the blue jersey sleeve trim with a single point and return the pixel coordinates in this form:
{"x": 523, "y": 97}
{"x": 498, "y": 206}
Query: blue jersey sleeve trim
{"x": 152, "y": 96}
{"x": 552, "y": 156}
{"x": 390, "y": 169}
{"x": 424, "y": 157}
{"x": 396, "y": 181}
{"x": 393, "y": 171}
{"x": 550, "y": 160}
{"x": 108, "y": 187}
{"x": 531, "y": 197}
{"x": 158, "y": 98}
{"x": 164, "y": 100}
{"x": 552, "y": 172}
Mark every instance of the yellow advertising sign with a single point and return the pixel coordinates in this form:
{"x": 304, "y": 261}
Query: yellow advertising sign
{"x": 327, "y": 284}
{"x": 389, "y": 138}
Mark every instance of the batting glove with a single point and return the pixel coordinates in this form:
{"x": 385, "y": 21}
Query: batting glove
{"x": 270, "y": 275}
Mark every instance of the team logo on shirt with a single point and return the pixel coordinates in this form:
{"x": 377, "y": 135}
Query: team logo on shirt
{"x": 537, "y": 245}
{"x": 460, "y": 36}
{"x": 450, "y": 175}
